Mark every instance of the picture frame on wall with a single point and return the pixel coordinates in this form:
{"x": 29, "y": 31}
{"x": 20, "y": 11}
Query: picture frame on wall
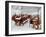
{"x": 24, "y": 18}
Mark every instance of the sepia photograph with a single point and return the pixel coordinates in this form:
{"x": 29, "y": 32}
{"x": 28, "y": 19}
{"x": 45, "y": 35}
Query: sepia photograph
{"x": 25, "y": 18}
